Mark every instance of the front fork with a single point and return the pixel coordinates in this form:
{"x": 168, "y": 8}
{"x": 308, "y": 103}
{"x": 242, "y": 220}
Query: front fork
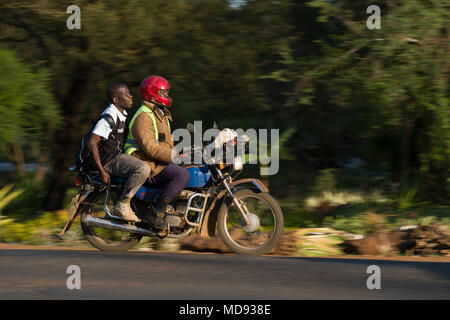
{"x": 239, "y": 203}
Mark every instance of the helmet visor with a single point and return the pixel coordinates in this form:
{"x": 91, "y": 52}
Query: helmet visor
{"x": 164, "y": 93}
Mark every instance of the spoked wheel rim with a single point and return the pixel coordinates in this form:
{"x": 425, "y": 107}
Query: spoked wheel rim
{"x": 106, "y": 237}
{"x": 262, "y": 225}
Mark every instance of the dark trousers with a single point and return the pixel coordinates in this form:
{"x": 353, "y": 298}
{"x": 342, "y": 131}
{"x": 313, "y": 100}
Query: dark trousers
{"x": 172, "y": 180}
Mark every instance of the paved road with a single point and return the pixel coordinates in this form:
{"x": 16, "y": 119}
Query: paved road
{"x": 41, "y": 274}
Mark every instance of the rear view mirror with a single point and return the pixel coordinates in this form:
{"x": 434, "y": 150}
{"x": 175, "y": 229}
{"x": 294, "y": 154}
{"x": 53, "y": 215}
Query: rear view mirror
{"x": 190, "y": 127}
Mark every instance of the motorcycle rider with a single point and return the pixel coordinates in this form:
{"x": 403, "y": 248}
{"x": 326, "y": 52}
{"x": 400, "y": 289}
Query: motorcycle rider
{"x": 106, "y": 146}
{"x": 149, "y": 139}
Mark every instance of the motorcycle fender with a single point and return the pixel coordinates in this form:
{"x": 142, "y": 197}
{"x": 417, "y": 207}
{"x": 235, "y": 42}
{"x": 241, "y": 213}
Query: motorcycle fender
{"x": 208, "y": 227}
{"x": 73, "y": 209}
{"x": 254, "y": 184}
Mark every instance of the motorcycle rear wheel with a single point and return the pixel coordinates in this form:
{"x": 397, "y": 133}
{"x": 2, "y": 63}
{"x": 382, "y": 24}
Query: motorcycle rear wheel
{"x": 103, "y": 239}
{"x": 265, "y": 231}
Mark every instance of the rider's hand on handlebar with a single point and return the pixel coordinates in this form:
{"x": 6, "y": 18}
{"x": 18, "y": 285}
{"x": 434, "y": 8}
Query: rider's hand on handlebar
{"x": 181, "y": 153}
{"x": 184, "y": 152}
{"x": 104, "y": 176}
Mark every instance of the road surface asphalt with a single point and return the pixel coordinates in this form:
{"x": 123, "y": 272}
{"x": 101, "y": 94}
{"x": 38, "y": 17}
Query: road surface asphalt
{"x": 43, "y": 274}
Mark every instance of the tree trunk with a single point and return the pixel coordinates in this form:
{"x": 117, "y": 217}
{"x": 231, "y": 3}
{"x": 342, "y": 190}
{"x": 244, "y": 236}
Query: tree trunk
{"x": 405, "y": 147}
{"x": 19, "y": 160}
{"x": 42, "y": 153}
{"x": 67, "y": 139}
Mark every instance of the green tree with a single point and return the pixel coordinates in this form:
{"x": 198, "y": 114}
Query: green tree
{"x": 198, "y": 45}
{"x": 385, "y": 91}
{"x": 308, "y": 65}
{"x": 28, "y": 111}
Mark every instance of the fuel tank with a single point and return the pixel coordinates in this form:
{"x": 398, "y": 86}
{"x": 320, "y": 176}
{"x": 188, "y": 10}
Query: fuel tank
{"x": 200, "y": 175}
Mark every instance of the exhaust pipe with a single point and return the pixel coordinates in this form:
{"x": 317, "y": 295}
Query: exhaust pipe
{"x": 108, "y": 224}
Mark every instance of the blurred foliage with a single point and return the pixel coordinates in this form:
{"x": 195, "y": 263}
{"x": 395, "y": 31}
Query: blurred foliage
{"x": 6, "y": 196}
{"x": 336, "y": 90}
{"x": 361, "y": 216}
{"x": 38, "y": 230}
{"x": 406, "y": 199}
{"x": 325, "y": 181}
{"x": 29, "y": 202}
{"x": 28, "y": 109}
{"x": 387, "y": 90}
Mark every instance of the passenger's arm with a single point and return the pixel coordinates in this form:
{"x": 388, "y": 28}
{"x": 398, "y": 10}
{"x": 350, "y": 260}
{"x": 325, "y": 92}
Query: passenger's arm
{"x": 93, "y": 148}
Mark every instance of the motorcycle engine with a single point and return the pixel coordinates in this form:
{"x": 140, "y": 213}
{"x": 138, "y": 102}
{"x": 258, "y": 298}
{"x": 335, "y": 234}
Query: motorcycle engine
{"x": 175, "y": 211}
{"x": 175, "y": 214}
{"x": 175, "y": 221}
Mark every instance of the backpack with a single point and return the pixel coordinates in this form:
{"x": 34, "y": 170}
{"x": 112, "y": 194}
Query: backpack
{"x": 83, "y": 159}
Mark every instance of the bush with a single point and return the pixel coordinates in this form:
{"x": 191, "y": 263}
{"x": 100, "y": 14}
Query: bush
{"x": 6, "y": 197}
{"x": 30, "y": 201}
{"x": 326, "y": 181}
{"x": 36, "y": 231}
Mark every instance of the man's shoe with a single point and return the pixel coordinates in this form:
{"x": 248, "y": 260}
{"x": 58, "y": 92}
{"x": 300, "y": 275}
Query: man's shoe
{"x": 123, "y": 210}
{"x": 160, "y": 211}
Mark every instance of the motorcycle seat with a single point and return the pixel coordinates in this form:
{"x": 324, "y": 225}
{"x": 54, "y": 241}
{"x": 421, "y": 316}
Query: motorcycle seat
{"x": 121, "y": 181}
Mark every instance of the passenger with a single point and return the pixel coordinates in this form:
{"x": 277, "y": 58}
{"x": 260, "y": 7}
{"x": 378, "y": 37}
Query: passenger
{"x": 106, "y": 146}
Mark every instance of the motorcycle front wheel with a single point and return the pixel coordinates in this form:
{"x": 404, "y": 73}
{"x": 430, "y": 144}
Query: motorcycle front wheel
{"x": 104, "y": 239}
{"x": 265, "y": 227}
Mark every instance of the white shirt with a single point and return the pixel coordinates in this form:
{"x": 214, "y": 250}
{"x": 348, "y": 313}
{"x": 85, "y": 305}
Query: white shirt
{"x": 103, "y": 129}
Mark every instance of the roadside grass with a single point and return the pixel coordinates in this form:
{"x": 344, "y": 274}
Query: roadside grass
{"x": 348, "y": 198}
{"x": 23, "y": 220}
{"x": 352, "y": 217}
{"x": 36, "y": 230}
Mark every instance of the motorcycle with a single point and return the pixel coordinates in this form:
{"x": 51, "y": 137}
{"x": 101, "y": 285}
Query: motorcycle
{"x": 248, "y": 219}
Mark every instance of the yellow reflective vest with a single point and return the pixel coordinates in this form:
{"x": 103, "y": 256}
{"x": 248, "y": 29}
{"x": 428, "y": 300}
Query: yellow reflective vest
{"x": 131, "y": 145}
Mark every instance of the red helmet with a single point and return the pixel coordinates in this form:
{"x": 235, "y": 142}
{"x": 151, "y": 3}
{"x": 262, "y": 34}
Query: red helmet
{"x": 155, "y": 89}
